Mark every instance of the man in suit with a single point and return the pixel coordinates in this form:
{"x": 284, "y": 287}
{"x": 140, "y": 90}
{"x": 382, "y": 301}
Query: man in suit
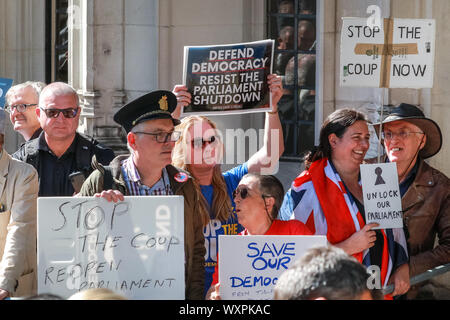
{"x": 18, "y": 196}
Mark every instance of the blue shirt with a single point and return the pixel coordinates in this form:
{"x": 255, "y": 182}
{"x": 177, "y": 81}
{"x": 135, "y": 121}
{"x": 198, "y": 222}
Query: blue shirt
{"x": 217, "y": 227}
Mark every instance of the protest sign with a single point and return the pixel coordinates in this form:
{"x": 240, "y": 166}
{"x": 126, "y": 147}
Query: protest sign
{"x": 382, "y": 199}
{"x": 261, "y": 260}
{"x": 134, "y": 247}
{"x": 5, "y": 84}
{"x": 229, "y": 78}
{"x": 397, "y": 53}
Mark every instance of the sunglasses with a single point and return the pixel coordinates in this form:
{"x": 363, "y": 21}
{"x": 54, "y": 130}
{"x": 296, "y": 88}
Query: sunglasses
{"x": 67, "y": 113}
{"x": 243, "y": 192}
{"x": 201, "y": 143}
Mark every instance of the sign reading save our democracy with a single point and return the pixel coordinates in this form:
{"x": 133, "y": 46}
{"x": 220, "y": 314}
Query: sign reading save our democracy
{"x": 398, "y": 53}
{"x": 261, "y": 260}
{"x": 134, "y": 247}
{"x": 228, "y": 78}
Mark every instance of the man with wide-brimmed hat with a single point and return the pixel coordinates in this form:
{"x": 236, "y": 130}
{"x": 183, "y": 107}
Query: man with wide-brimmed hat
{"x": 410, "y": 138}
{"x": 151, "y": 137}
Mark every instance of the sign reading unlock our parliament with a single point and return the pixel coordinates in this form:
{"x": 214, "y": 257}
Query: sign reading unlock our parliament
{"x": 381, "y": 193}
{"x": 398, "y": 53}
{"x": 134, "y": 247}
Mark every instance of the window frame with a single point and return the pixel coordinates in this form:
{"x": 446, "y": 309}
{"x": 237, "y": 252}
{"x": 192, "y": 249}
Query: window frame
{"x": 297, "y": 154}
{"x": 52, "y": 10}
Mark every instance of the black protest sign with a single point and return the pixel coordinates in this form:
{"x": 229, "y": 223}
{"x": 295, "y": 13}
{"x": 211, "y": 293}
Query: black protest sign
{"x": 228, "y": 78}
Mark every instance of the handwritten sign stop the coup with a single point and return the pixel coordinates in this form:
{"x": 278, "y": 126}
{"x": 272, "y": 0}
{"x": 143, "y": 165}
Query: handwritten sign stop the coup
{"x": 134, "y": 247}
{"x": 398, "y": 53}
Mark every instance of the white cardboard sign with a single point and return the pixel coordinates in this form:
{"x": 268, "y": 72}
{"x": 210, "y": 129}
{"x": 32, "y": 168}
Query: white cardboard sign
{"x": 397, "y": 53}
{"x": 134, "y": 247}
{"x": 249, "y": 266}
{"x": 382, "y": 199}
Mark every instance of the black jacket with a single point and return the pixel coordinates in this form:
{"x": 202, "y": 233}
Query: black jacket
{"x": 85, "y": 148}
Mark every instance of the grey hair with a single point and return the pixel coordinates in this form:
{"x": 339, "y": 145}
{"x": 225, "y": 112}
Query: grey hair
{"x": 326, "y": 272}
{"x": 37, "y": 87}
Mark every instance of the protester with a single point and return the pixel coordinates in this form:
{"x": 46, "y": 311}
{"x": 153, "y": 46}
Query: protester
{"x": 97, "y": 294}
{"x": 18, "y": 194}
{"x": 199, "y": 152}
{"x": 21, "y": 102}
{"x": 410, "y": 138}
{"x": 147, "y": 171}
{"x": 328, "y": 198}
{"x": 258, "y": 199}
{"x": 325, "y": 273}
{"x": 60, "y": 151}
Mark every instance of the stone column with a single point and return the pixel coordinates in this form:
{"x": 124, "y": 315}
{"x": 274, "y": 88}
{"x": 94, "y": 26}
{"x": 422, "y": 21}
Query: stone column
{"x": 112, "y": 61}
{"x": 22, "y": 48}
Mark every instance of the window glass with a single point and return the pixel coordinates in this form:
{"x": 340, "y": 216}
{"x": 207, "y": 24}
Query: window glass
{"x": 293, "y": 24}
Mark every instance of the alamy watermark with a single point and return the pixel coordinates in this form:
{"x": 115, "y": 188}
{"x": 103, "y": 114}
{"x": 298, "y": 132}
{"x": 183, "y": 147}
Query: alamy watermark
{"x": 237, "y": 147}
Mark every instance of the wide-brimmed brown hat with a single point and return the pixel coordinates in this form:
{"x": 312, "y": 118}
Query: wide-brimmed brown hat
{"x": 412, "y": 114}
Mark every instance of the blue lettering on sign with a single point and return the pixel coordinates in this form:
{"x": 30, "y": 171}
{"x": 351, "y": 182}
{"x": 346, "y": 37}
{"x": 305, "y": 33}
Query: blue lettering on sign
{"x": 249, "y": 282}
{"x": 270, "y": 256}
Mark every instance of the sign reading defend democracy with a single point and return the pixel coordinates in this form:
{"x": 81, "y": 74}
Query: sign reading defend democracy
{"x": 228, "y": 78}
{"x": 134, "y": 247}
{"x": 249, "y": 266}
{"x": 397, "y": 54}
{"x": 381, "y": 193}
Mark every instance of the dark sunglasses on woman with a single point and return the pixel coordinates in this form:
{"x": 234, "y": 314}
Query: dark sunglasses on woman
{"x": 201, "y": 143}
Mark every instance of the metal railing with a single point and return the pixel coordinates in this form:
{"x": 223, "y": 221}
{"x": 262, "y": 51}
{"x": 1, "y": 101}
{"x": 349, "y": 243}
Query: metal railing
{"x": 422, "y": 277}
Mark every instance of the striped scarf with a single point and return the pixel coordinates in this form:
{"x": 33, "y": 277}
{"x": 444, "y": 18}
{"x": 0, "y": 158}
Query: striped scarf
{"x": 319, "y": 199}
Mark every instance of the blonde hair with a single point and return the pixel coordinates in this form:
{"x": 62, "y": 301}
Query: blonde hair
{"x": 97, "y": 294}
{"x": 221, "y": 205}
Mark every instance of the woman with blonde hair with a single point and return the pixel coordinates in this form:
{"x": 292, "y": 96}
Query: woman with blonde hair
{"x": 199, "y": 151}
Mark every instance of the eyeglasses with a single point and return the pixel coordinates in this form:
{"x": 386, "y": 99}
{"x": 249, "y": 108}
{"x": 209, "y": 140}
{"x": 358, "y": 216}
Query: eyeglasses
{"x": 163, "y": 137}
{"x": 67, "y": 113}
{"x": 401, "y": 134}
{"x": 201, "y": 143}
{"x": 20, "y": 107}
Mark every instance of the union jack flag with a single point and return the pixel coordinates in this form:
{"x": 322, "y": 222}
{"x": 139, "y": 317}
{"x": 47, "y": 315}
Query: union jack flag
{"x": 320, "y": 200}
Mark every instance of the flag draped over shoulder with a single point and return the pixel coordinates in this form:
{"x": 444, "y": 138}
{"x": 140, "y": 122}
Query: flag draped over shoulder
{"x": 319, "y": 199}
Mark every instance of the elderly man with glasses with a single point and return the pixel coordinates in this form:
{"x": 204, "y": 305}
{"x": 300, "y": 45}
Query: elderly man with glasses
{"x": 409, "y": 138}
{"x": 21, "y": 102}
{"x": 60, "y": 154}
{"x": 151, "y": 137}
